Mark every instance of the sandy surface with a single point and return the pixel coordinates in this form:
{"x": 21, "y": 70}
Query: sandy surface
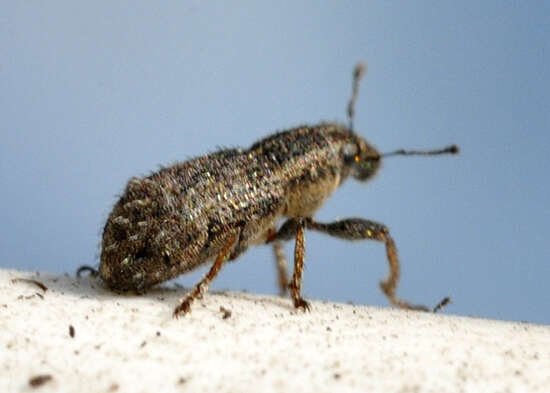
{"x": 82, "y": 338}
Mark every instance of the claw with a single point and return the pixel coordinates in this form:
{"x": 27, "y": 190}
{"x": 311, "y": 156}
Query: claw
{"x": 182, "y": 309}
{"x": 446, "y": 300}
{"x": 301, "y": 303}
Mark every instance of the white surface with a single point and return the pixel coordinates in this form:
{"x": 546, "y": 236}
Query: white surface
{"x": 132, "y": 344}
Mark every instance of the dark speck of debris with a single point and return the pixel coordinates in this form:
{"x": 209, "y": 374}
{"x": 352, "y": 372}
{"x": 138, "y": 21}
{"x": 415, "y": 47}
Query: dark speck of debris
{"x": 39, "y": 380}
{"x": 329, "y": 329}
{"x": 71, "y": 331}
{"x": 29, "y": 281}
{"x": 143, "y": 344}
{"x": 113, "y": 387}
{"x": 226, "y": 312}
{"x": 158, "y": 334}
{"x": 181, "y": 381}
{"x": 336, "y": 376}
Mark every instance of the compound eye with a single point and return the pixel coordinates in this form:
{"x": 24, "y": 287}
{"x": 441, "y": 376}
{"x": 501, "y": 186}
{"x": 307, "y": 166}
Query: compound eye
{"x": 350, "y": 152}
{"x": 367, "y": 164}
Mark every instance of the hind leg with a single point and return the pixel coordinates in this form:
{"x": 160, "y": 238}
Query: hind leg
{"x": 202, "y": 286}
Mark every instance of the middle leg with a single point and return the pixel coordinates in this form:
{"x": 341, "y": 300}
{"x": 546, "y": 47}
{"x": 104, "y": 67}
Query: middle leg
{"x": 295, "y": 285}
{"x": 280, "y": 260}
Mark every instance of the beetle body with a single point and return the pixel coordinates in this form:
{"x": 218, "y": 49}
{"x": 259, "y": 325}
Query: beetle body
{"x": 213, "y": 207}
{"x": 182, "y": 216}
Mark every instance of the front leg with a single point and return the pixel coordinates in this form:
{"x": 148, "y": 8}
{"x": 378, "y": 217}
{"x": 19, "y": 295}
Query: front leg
{"x": 360, "y": 229}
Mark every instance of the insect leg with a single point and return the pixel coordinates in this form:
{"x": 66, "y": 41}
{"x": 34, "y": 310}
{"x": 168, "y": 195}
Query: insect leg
{"x": 280, "y": 259}
{"x": 295, "y": 285}
{"x": 358, "y": 229}
{"x": 202, "y": 286}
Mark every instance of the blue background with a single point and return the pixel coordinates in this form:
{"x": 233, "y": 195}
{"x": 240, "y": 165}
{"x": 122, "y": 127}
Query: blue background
{"x": 92, "y": 94}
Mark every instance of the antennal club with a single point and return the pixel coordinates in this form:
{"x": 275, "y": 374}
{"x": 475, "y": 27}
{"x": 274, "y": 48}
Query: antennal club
{"x": 358, "y": 72}
{"x": 453, "y": 149}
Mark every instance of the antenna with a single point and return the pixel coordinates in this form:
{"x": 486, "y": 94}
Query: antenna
{"x": 453, "y": 149}
{"x": 358, "y": 72}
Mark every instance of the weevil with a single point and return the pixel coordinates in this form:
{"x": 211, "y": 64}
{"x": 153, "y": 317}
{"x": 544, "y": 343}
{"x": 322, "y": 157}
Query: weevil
{"x": 212, "y": 208}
